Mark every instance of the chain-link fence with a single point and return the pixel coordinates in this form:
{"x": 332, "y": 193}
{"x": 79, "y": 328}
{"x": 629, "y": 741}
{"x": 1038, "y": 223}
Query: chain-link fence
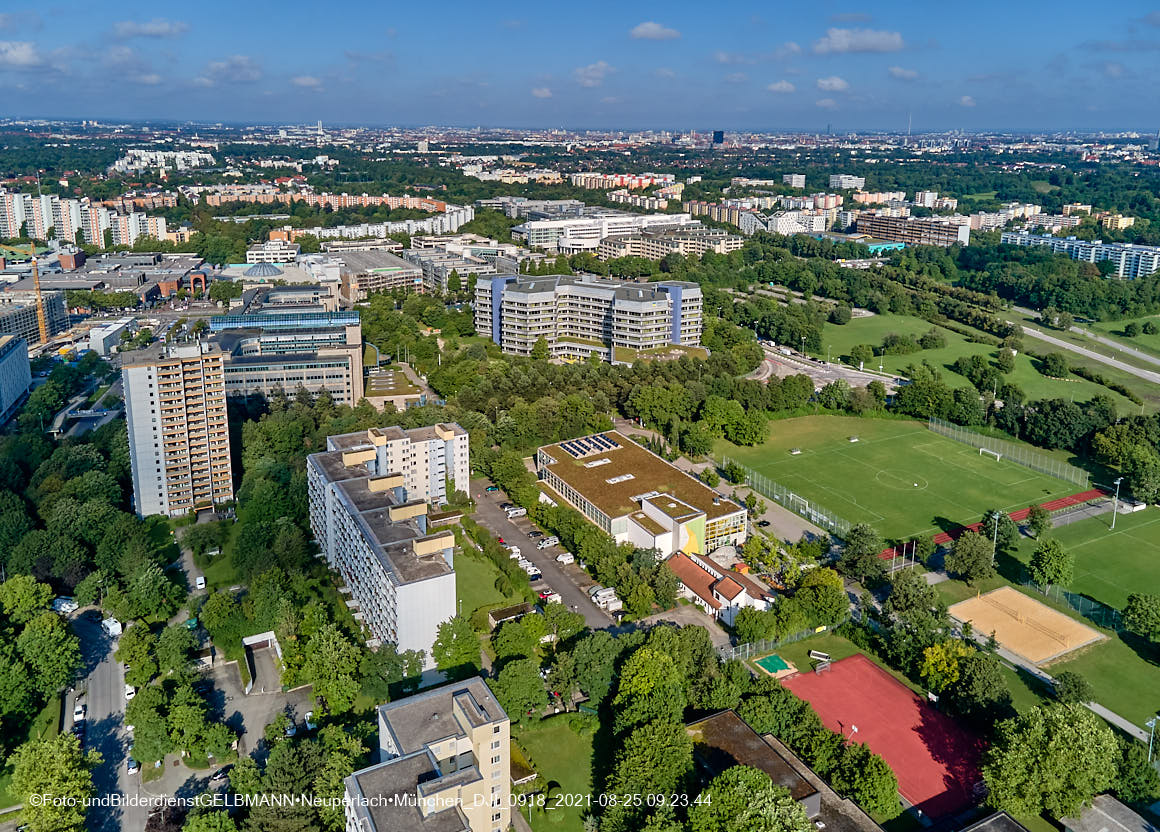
{"x": 816, "y": 514}
{"x": 754, "y": 649}
{"x": 1013, "y": 451}
{"x": 1092, "y": 610}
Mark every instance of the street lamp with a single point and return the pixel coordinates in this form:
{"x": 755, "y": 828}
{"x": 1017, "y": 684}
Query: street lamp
{"x": 1116, "y": 501}
{"x": 1151, "y": 725}
{"x": 853, "y": 731}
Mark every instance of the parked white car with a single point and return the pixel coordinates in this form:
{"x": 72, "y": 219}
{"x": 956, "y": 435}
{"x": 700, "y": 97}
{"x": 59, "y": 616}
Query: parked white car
{"x": 130, "y": 692}
{"x": 566, "y": 557}
{"x": 64, "y": 605}
{"x": 515, "y": 551}
{"x": 199, "y": 582}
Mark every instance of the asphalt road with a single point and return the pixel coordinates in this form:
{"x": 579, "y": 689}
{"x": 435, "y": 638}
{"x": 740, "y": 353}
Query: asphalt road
{"x": 1147, "y": 375}
{"x": 1118, "y": 346}
{"x": 570, "y": 581}
{"x": 104, "y": 694}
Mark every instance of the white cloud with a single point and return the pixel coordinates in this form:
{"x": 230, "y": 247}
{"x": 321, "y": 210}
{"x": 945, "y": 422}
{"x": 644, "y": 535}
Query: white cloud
{"x": 1113, "y": 69}
{"x": 664, "y": 72}
{"x": 611, "y": 99}
{"x": 19, "y": 54}
{"x": 593, "y": 74}
{"x": 827, "y": 103}
{"x": 236, "y": 68}
{"x": 307, "y": 82}
{"x": 966, "y": 101}
{"x": 903, "y": 74}
{"x": 736, "y": 78}
{"x": 650, "y": 30}
{"x": 156, "y": 28}
{"x": 833, "y": 84}
{"x": 787, "y": 50}
{"x": 541, "y": 92}
{"x": 858, "y": 40}
{"x": 149, "y": 79}
{"x": 723, "y": 57}
{"x": 781, "y": 87}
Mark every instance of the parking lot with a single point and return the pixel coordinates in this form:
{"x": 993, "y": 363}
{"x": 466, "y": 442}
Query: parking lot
{"x": 569, "y": 580}
{"x": 253, "y": 712}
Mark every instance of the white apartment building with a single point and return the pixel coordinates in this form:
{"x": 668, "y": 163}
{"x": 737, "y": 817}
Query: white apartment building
{"x": 692, "y": 243}
{"x": 785, "y": 222}
{"x": 273, "y": 251}
{"x": 179, "y": 444}
{"x": 794, "y": 180}
{"x": 926, "y": 199}
{"x": 1131, "y": 260}
{"x": 431, "y": 459}
{"x": 578, "y": 316}
{"x": 445, "y": 758}
{"x": 846, "y": 182}
{"x": 369, "y": 496}
{"x": 38, "y": 215}
{"x": 574, "y": 234}
{"x": 15, "y": 374}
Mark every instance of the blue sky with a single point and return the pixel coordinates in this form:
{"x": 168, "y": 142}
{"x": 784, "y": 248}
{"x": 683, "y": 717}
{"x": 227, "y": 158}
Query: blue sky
{"x": 673, "y": 65}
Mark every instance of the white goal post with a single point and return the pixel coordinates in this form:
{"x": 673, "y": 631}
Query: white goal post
{"x": 995, "y": 454}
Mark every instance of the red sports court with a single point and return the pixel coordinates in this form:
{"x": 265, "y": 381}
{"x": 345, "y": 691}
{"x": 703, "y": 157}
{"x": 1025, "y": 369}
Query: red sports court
{"x": 936, "y": 761}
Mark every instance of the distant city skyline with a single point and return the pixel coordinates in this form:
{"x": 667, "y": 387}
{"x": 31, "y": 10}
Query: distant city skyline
{"x": 634, "y": 66}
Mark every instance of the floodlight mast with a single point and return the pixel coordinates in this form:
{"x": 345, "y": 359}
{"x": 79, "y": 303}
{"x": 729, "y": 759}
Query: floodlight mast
{"x": 1116, "y": 500}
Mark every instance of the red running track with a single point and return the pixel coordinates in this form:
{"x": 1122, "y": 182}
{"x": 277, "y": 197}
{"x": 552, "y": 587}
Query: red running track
{"x": 936, "y": 761}
{"x": 943, "y": 538}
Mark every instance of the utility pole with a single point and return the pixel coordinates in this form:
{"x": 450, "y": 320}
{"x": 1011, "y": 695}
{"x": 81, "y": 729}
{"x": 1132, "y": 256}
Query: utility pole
{"x": 1151, "y": 726}
{"x": 1116, "y": 500}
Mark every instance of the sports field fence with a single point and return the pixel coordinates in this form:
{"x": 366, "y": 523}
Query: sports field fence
{"x": 755, "y": 649}
{"x": 1013, "y": 451}
{"x": 1100, "y": 614}
{"x": 816, "y": 514}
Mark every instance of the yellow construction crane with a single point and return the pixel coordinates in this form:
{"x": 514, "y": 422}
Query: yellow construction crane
{"x": 41, "y": 320}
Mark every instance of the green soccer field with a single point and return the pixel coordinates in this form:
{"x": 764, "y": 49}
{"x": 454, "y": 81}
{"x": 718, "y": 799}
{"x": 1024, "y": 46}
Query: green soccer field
{"x": 899, "y": 477}
{"x": 1110, "y": 565}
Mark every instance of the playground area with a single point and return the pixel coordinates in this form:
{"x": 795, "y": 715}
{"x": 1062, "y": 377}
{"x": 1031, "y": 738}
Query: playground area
{"x": 775, "y": 666}
{"x": 935, "y": 760}
{"x": 1023, "y": 625}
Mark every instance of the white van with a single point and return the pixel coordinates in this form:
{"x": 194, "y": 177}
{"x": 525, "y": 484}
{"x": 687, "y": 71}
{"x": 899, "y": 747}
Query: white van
{"x": 518, "y": 511}
{"x": 548, "y": 541}
{"x": 515, "y": 551}
{"x": 64, "y": 605}
{"x": 111, "y": 626}
{"x": 566, "y": 557}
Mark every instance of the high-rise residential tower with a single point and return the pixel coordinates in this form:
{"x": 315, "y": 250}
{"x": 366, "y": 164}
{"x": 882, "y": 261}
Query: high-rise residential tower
{"x": 179, "y": 444}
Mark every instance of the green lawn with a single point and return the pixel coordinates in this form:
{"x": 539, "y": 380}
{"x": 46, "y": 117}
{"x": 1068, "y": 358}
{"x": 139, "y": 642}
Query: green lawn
{"x": 44, "y": 724}
{"x": 874, "y": 480}
{"x": 562, "y": 755}
{"x": 1026, "y": 691}
{"x": 837, "y": 341}
{"x": 1115, "y": 330}
{"x": 1124, "y": 679}
{"x": 475, "y": 583}
{"x": 1124, "y": 674}
{"x": 1110, "y": 565}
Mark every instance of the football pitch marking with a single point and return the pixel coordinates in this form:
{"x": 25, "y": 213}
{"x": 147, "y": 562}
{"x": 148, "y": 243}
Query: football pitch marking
{"x": 892, "y": 478}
